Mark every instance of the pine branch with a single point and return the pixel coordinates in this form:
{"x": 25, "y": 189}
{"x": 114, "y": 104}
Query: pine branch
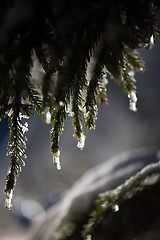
{"x": 16, "y": 149}
{"x": 57, "y": 120}
{"x": 140, "y": 190}
{"x": 77, "y": 110}
{"x": 95, "y": 87}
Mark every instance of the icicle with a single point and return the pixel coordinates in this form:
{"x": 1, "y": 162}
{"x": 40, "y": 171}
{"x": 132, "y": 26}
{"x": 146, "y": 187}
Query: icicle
{"x": 69, "y": 110}
{"x": 151, "y": 42}
{"x": 89, "y": 237}
{"x": 47, "y": 115}
{"x": 56, "y": 160}
{"x": 132, "y": 101}
{"x": 81, "y": 142}
{"x": 8, "y": 200}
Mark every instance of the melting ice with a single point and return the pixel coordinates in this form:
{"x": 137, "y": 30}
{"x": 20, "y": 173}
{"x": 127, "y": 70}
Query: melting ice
{"x": 8, "y": 201}
{"x": 81, "y": 141}
{"x": 47, "y": 115}
{"x": 116, "y": 208}
{"x": 132, "y": 101}
{"x": 56, "y": 160}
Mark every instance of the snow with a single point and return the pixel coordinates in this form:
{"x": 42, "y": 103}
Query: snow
{"x": 23, "y": 116}
{"x": 24, "y": 127}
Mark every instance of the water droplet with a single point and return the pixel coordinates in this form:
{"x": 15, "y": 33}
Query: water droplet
{"x": 8, "y": 200}
{"x": 61, "y": 104}
{"x": 89, "y": 237}
{"x": 116, "y": 208}
{"x": 56, "y": 160}
{"x": 104, "y": 205}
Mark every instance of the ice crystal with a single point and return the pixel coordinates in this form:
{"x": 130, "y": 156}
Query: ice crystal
{"x": 56, "y": 160}
{"x": 81, "y": 141}
{"x": 132, "y": 101}
{"x": 8, "y": 200}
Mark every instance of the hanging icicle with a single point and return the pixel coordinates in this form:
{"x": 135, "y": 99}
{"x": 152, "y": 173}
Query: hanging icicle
{"x": 56, "y": 160}
{"x": 8, "y": 200}
{"x": 81, "y": 141}
{"x": 132, "y": 101}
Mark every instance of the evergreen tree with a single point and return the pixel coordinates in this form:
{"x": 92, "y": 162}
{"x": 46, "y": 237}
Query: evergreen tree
{"x": 73, "y": 45}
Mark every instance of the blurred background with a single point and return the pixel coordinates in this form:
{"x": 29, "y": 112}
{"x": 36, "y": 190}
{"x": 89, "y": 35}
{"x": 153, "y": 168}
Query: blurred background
{"x": 40, "y": 185}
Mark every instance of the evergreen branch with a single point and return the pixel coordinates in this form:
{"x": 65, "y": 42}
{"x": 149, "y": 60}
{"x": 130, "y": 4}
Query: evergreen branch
{"x": 101, "y": 90}
{"x": 91, "y": 105}
{"x": 94, "y": 87}
{"x": 112, "y": 205}
{"x": 131, "y": 63}
{"x": 41, "y": 50}
{"x": 19, "y": 75}
{"x": 57, "y": 128}
{"x": 34, "y": 98}
{"x": 77, "y": 105}
{"x": 16, "y": 150}
{"x": 57, "y": 120}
